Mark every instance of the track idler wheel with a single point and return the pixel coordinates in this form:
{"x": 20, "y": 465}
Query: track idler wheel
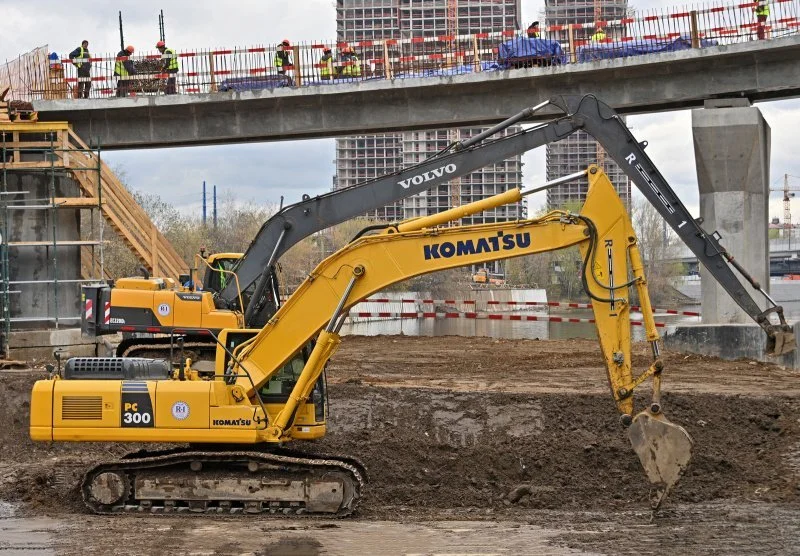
{"x": 106, "y": 490}
{"x": 664, "y": 449}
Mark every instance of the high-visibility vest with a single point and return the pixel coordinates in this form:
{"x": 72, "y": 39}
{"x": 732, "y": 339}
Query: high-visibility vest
{"x": 326, "y": 70}
{"x": 599, "y": 36}
{"x": 119, "y": 67}
{"x": 281, "y": 58}
{"x": 762, "y": 9}
{"x": 353, "y": 67}
{"x": 173, "y": 60}
{"x": 82, "y": 54}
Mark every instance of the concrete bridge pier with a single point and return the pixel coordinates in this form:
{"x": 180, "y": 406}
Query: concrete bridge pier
{"x": 732, "y": 150}
{"x": 732, "y": 153}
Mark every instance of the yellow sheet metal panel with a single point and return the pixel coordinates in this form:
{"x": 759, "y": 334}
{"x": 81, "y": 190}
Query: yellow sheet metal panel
{"x": 182, "y": 404}
{"x": 186, "y": 308}
{"x": 41, "y": 427}
{"x": 234, "y": 417}
{"x": 86, "y": 403}
{"x": 127, "y": 297}
{"x": 215, "y": 436}
{"x": 218, "y": 320}
{"x": 164, "y": 307}
{"x": 139, "y": 283}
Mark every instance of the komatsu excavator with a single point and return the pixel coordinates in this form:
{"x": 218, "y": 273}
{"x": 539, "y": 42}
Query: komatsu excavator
{"x": 250, "y": 296}
{"x": 267, "y": 386}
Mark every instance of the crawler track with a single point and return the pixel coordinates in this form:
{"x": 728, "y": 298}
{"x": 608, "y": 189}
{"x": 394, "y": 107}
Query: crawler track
{"x": 221, "y": 481}
{"x": 196, "y": 347}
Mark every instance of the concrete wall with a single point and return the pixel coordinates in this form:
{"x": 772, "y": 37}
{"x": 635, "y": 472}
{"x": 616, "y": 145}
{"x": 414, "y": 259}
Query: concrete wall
{"x": 36, "y": 263}
{"x": 732, "y": 149}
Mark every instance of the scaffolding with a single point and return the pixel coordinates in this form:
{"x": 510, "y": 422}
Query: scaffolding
{"x": 35, "y": 177}
{"x": 46, "y": 169}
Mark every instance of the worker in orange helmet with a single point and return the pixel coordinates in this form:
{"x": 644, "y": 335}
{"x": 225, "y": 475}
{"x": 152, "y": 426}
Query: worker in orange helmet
{"x": 350, "y": 64}
{"x": 170, "y": 67}
{"x": 283, "y": 60}
{"x": 123, "y": 69}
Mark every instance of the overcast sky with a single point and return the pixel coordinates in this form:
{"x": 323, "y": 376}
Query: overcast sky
{"x": 262, "y": 173}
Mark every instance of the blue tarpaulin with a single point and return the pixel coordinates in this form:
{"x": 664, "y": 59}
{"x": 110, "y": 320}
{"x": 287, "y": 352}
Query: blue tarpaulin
{"x": 607, "y": 50}
{"x": 521, "y": 50}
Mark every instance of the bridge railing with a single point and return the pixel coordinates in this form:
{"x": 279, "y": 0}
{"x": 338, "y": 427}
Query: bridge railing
{"x": 255, "y": 68}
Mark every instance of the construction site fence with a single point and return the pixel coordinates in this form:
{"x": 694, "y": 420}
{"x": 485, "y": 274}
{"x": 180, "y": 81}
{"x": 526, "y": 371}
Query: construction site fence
{"x": 254, "y": 68}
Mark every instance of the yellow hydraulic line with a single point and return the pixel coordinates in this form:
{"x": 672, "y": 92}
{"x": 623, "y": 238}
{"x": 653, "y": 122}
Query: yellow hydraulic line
{"x": 637, "y": 266}
{"x": 506, "y": 198}
{"x": 511, "y": 196}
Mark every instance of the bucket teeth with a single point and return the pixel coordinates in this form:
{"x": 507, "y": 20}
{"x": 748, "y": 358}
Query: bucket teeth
{"x": 664, "y": 449}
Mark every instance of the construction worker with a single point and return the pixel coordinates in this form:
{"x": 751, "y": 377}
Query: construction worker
{"x": 326, "y": 69}
{"x": 80, "y": 59}
{"x": 170, "y": 66}
{"x": 283, "y": 60}
{"x": 350, "y": 64}
{"x": 533, "y": 31}
{"x": 123, "y": 69}
{"x": 599, "y": 35}
{"x": 761, "y": 9}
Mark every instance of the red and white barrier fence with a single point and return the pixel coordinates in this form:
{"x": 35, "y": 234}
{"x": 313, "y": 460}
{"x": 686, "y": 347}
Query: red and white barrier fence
{"x": 471, "y": 315}
{"x": 214, "y": 70}
{"x": 570, "y": 305}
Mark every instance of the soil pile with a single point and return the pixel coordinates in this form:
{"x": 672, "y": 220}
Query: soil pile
{"x": 505, "y": 420}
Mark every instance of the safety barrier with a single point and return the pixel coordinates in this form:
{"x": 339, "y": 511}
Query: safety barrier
{"x": 472, "y": 315}
{"x": 519, "y": 304}
{"x": 254, "y": 68}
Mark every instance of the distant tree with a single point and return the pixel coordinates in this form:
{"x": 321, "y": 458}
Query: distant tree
{"x": 658, "y": 245}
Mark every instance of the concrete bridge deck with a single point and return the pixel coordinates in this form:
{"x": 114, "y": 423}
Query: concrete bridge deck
{"x": 758, "y": 70}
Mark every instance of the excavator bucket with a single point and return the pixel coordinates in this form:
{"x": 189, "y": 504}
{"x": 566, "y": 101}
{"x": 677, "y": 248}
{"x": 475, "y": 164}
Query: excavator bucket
{"x": 664, "y": 449}
{"x": 781, "y": 342}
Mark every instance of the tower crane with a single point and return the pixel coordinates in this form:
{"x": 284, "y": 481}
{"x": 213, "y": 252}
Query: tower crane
{"x": 788, "y": 193}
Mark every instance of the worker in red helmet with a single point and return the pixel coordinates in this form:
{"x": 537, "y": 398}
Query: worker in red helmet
{"x": 123, "y": 69}
{"x": 283, "y": 59}
{"x": 170, "y": 59}
{"x": 327, "y": 71}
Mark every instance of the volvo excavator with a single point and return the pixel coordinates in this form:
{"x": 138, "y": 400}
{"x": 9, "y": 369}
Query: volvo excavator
{"x": 250, "y": 295}
{"x": 267, "y": 386}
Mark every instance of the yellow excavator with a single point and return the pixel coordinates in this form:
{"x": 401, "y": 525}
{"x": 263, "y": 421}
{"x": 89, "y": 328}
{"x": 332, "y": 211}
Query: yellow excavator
{"x": 266, "y": 387}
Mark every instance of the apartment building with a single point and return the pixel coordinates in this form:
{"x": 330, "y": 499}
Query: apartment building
{"x": 362, "y": 157}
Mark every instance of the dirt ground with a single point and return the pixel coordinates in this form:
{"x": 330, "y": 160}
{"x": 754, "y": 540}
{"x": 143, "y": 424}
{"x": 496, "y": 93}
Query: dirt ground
{"x": 448, "y": 427}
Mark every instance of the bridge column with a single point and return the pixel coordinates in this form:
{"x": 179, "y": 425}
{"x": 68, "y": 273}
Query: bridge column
{"x": 732, "y": 151}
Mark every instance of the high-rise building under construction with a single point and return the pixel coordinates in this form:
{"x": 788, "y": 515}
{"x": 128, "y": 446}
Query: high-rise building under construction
{"x": 577, "y": 151}
{"x": 363, "y": 157}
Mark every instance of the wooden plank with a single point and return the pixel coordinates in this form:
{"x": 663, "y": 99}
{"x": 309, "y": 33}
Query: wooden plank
{"x": 29, "y": 165}
{"x": 75, "y": 202}
{"x": 35, "y": 127}
{"x": 59, "y": 243}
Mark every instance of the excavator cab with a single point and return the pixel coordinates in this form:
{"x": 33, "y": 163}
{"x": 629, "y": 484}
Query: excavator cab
{"x": 219, "y": 270}
{"x": 276, "y": 391}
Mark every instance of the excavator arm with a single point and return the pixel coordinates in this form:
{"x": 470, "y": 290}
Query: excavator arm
{"x": 612, "y": 265}
{"x": 587, "y": 113}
